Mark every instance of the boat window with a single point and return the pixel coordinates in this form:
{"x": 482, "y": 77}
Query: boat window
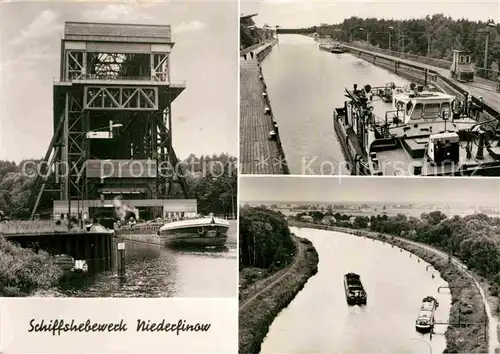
{"x": 468, "y": 59}
{"x": 431, "y": 110}
{"x": 461, "y": 59}
{"x": 445, "y": 107}
{"x": 409, "y": 106}
{"x": 417, "y": 111}
{"x": 400, "y": 106}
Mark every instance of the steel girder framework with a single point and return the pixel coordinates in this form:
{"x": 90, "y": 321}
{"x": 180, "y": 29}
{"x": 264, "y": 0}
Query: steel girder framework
{"x": 82, "y": 65}
{"x": 143, "y": 110}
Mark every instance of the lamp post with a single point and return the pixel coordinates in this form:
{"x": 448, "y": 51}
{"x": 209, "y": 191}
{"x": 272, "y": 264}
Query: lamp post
{"x": 91, "y": 134}
{"x": 487, "y": 32}
{"x": 402, "y": 40}
{"x": 390, "y": 33}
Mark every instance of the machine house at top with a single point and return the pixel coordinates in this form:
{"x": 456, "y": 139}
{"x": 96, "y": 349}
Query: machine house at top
{"x": 112, "y": 119}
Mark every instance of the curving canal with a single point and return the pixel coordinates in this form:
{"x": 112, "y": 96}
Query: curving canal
{"x": 305, "y": 84}
{"x": 156, "y": 271}
{"x": 319, "y": 321}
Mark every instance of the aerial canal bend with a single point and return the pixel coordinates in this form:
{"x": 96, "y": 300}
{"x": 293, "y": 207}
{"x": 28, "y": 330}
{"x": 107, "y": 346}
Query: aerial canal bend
{"x": 153, "y": 270}
{"x": 305, "y": 84}
{"x": 319, "y": 321}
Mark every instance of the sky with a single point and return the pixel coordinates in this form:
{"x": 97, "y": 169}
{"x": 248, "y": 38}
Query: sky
{"x": 306, "y": 13}
{"x": 205, "y": 55}
{"x": 461, "y": 190}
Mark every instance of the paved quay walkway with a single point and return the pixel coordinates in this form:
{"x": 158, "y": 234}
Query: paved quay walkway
{"x": 258, "y": 154}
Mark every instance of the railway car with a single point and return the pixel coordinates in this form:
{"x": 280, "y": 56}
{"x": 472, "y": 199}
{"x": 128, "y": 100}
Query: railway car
{"x": 461, "y": 67}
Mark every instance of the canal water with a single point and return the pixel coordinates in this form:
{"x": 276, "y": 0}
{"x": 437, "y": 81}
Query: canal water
{"x": 156, "y": 271}
{"x": 319, "y": 321}
{"x": 305, "y": 84}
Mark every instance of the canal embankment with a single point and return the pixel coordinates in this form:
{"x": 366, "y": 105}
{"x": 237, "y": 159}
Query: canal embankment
{"x": 468, "y": 325}
{"x": 261, "y": 150}
{"x": 264, "y": 299}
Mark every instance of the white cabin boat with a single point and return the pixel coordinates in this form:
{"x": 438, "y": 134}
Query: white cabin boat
{"x": 202, "y": 232}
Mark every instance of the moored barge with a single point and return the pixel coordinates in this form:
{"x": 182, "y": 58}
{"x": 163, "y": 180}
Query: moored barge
{"x": 425, "y": 319}
{"x": 197, "y": 232}
{"x": 426, "y": 133}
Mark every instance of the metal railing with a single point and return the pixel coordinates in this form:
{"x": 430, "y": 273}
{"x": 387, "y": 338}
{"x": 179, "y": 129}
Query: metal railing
{"x": 119, "y": 78}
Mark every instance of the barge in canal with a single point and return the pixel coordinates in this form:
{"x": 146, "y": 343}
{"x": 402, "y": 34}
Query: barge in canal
{"x": 425, "y": 320}
{"x": 354, "y": 290}
{"x": 426, "y": 133}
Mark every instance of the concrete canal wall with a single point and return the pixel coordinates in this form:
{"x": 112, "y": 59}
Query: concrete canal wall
{"x": 264, "y": 51}
{"x": 261, "y": 55}
{"x": 260, "y": 153}
{"x": 92, "y": 244}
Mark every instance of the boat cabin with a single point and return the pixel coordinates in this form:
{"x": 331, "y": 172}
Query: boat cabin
{"x": 461, "y": 57}
{"x": 419, "y": 107}
{"x": 461, "y": 66}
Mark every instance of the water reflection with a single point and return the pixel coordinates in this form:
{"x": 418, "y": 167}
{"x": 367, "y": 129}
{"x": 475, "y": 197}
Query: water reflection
{"x": 152, "y": 270}
{"x": 305, "y": 84}
{"x": 319, "y": 321}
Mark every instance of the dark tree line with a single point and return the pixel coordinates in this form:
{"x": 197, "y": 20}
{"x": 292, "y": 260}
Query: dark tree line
{"x": 264, "y": 238}
{"x": 214, "y": 184}
{"x": 474, "y": 239}
{"x": 212, "y": 180}
{"x": 445, "y": 33}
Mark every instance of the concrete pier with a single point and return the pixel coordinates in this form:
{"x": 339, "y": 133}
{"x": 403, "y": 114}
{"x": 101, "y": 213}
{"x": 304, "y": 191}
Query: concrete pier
{"x": 260, "y": 153}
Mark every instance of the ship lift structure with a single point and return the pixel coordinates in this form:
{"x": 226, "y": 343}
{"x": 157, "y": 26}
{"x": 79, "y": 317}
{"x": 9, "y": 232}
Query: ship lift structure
{"x": 112, "y": 121}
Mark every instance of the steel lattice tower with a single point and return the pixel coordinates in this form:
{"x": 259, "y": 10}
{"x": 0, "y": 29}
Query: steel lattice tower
{"x": 112, "y": 119}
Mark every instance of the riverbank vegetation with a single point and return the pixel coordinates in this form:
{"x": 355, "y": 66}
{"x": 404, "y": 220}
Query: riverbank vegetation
{"x": 474, "y": 239}
{"x": 445, "y": 34}
{"x": 274, "y": 266}
{"x": 22, "y": 271}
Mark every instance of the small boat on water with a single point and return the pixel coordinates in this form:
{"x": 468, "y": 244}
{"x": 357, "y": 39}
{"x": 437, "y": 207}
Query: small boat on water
{"x": 80, "y": 266}
{"x": 332, "y": 48}
{"x": 197, "y": 232}
{"x": 354, "y": 291}
{"x": 425, "y": 319}
{"x": 337, "y": 48}
{"x": 65, "y": 262}
{"x": 325, "y": 47}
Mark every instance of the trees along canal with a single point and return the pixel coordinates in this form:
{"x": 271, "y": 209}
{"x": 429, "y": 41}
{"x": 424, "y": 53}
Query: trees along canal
{"x": 474, "y": 239}
{"x": 265, "y": 240}
{"x": 211, "y": 179}
{"x": 445, "y": 33}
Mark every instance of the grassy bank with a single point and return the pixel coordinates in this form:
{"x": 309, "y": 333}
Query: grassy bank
{"x": 276, "y": 291}
{"x": 23, "y": 271}
{"x": 467, "y": 304}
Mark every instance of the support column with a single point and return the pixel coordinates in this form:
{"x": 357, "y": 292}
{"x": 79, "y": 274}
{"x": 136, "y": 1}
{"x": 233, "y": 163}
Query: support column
{"x": 87, "y": 246}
